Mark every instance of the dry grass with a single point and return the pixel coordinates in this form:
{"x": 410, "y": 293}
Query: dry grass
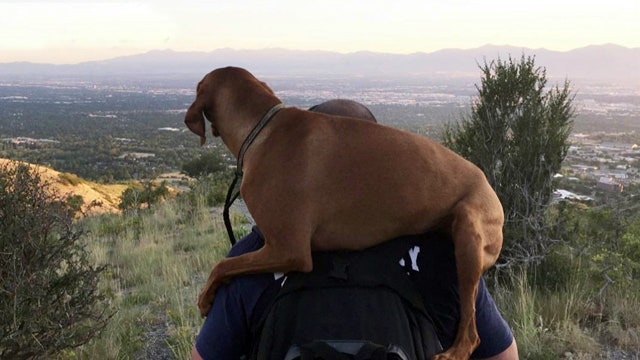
{"x": 68, "y": 184}
{"x": 158, "y": 260}
{"x": 569, "y": 321}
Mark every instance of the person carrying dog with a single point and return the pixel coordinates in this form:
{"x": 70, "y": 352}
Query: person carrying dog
{"x": 231, "y": 329}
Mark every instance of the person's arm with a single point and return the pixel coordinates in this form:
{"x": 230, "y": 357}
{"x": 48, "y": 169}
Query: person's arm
{"x": 224, "y": 334}
{"x": 227, "y": 332}
{"x": 195, "y": 355}
{"x": 510, "y": 353}
{"x": 496, "y": 339}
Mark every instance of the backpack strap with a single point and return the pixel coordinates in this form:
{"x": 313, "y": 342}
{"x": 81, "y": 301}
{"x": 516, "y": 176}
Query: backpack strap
{"x": 371, "y": 351}
{"x": 345, "y": 350}
{"x": 322, "y": 350}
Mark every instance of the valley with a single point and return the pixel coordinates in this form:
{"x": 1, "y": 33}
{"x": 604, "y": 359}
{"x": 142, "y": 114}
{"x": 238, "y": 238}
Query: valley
{"x": 113, "y": 131}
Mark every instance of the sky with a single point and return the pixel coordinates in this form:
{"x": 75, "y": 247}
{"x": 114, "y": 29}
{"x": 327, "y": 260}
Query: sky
{"x": 61, "y": 31}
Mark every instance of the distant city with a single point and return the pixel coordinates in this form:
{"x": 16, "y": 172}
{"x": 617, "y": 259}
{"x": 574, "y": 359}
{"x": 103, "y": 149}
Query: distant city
{"x": 122, "y": 124}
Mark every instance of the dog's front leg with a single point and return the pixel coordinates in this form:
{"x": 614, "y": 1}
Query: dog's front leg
{"x": 269, "y": 258}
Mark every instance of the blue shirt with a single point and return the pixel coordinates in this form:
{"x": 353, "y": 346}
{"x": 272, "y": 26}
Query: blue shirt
{"x": 227, "y": 331}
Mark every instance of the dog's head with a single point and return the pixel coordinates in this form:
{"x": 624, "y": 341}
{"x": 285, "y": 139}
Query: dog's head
{"x": 214, "y": 94}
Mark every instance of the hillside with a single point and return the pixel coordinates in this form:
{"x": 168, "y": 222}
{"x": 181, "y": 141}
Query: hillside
{"x": 66, "y": 184}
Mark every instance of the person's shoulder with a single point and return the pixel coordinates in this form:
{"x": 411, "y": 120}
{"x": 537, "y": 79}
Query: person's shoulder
{"x": 251, "y": 242}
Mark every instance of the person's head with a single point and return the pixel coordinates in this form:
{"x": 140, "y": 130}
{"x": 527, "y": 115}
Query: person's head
{"x": 343, "y": 107}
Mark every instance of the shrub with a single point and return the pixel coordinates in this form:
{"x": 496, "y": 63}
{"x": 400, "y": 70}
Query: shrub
{"x": 207, "y": 163}
{"x": 48, "y": 287}
{"x": 69, "y": 179}
{"x": 211, "y": 188}
{"x": 136, "y": 197}
{"x": 517, "y": 134}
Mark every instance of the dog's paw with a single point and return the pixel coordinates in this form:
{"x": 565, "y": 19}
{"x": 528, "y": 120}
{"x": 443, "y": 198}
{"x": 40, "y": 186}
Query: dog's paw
{"x": 445, "y": 356}
{"x": 204, "y": 303}
{"x": 442, "y": 357}
{"x": 452, "y": 354}
{"x": 204, "y": 310}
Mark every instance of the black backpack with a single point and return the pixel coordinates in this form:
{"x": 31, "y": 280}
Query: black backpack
{"x": 353, "y": 305}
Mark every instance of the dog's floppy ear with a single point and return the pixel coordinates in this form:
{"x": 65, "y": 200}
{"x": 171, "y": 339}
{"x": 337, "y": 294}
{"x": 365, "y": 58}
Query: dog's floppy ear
{"x": 194, "y": 119}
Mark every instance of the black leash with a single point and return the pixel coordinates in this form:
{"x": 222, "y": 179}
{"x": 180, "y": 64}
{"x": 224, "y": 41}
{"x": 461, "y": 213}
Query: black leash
{"x": 231, "y": 197}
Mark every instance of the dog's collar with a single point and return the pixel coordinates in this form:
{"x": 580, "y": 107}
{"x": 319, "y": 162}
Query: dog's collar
{"x": 231, "y": 197}
{"x": 254, "y": 133}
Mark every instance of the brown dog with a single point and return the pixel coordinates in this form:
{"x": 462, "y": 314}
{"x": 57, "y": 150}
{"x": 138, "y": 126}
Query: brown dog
{"x": 315, "y": 182}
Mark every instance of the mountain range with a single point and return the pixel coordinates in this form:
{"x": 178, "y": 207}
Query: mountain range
{"x": 599, "y": 63}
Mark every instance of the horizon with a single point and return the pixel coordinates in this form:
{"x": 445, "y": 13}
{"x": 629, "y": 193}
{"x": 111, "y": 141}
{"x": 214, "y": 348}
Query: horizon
{"x": 314, "y": 50}
{"x": 81, "y": 32}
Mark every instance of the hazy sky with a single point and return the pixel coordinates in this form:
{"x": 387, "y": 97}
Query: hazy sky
{"x": 62, "y": 31}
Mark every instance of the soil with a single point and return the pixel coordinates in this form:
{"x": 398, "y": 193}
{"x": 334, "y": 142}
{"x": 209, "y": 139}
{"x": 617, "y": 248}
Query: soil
{"x": 155, "y": 340}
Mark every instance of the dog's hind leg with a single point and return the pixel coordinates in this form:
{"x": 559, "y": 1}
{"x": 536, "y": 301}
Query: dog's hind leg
{"x": 467, "y": 236}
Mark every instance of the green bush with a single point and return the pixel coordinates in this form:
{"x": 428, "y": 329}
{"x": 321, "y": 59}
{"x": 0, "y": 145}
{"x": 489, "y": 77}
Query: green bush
{"x": 608, "y": 239}
{"x": 48, "y": 286}
{"x": 558, "y": 270}
{"x": 212, "y": 188}
{"x": 207, "y": 163}
{"x": 69, "y": 179}
{"x": 136, "y": 197}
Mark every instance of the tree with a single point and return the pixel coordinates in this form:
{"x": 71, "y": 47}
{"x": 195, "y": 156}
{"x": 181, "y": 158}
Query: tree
{"x": 207, "y": 163}
{"x": 517, "y": 134}
{"x": 135, "y": 197}
{"x": 212, "y": 188}
{"x": 49, "y": 297}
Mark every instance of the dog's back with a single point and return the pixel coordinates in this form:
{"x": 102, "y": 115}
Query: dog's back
{"x": 360, "y": 180}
